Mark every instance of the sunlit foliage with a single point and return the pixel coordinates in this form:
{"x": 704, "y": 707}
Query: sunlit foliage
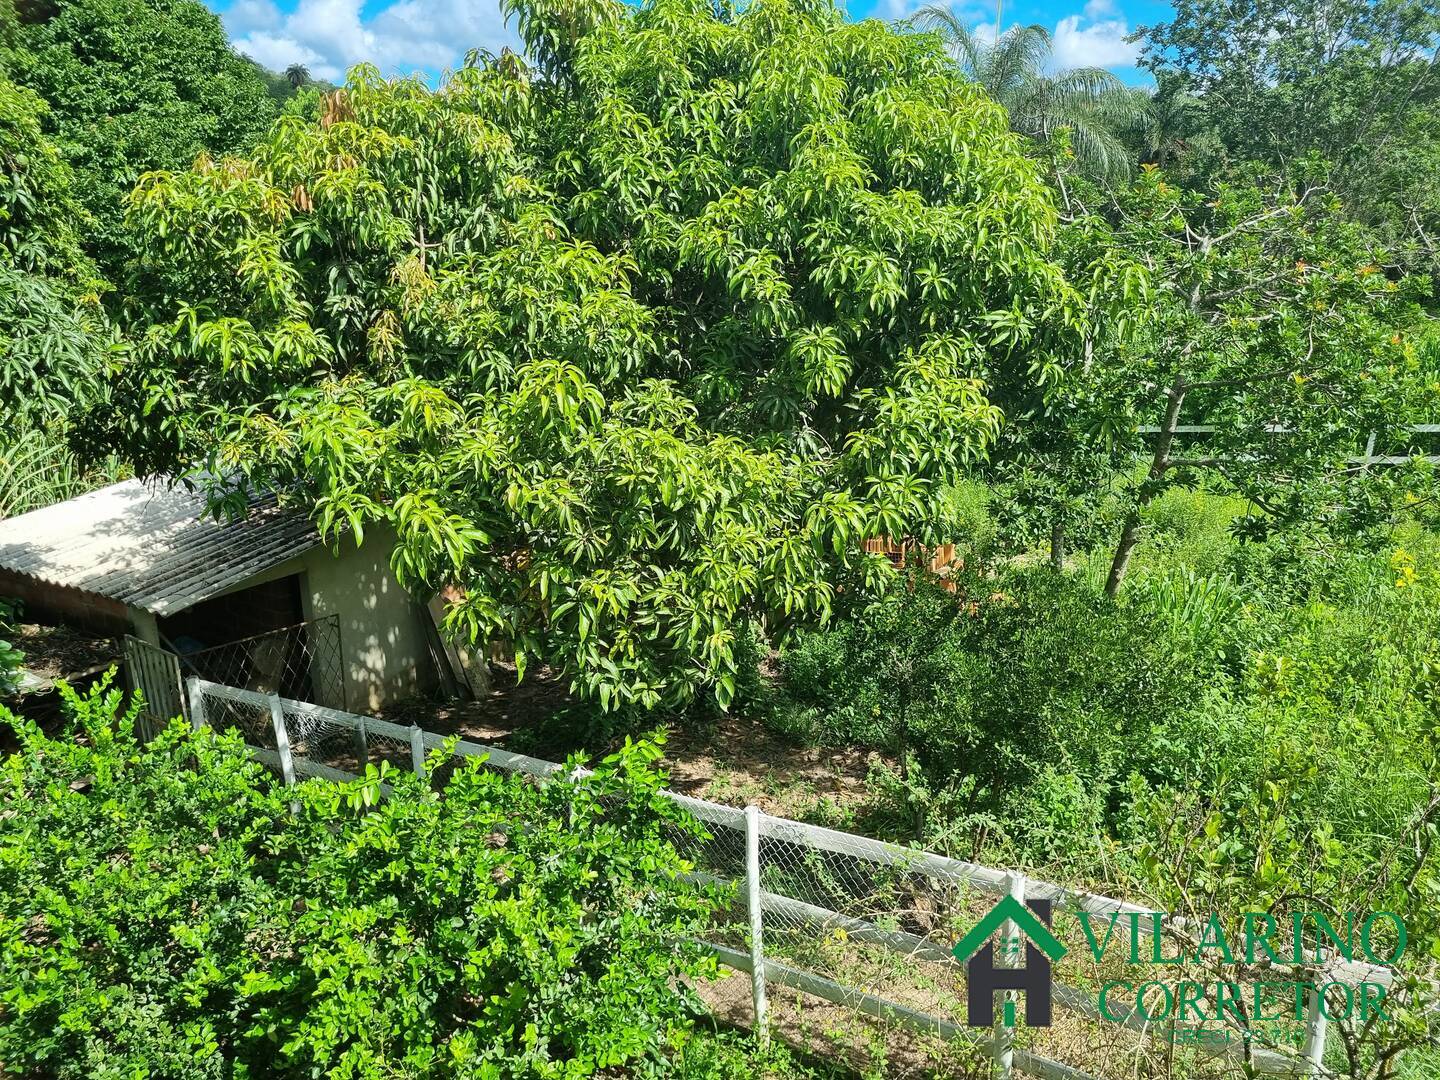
{"x": 630, "y": 345}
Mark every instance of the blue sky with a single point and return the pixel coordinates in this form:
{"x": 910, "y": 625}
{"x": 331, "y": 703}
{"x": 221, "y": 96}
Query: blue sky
{"x": 404, "y": 36}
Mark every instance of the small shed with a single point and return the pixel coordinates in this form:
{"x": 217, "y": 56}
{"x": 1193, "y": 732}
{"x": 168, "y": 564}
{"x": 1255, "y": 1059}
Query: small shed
{"x": 251, "y": 601}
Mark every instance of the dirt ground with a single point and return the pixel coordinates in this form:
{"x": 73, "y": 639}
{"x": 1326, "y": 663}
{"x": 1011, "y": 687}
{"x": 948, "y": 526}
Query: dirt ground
{"x": 733, "y": 759}
{"x": 858, "y": 1044}
{"x": 55, "y": 652}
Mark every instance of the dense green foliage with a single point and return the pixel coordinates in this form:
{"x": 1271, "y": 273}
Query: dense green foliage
{"x": 634, "y": 342}
{"x": 49, "y": 333}
{"x": 629, "y": 352}
{"x": 164, "y": 913}
{"x": 133, "y": 85}
{"x": 1354, "y": 83}
{"x": 1273, "y": 321}
{"x": 978, "y": 701}
{"x": 11, "y": 658}
{"x": 1288, "y": 719}
{"x": 1249, "y": 724}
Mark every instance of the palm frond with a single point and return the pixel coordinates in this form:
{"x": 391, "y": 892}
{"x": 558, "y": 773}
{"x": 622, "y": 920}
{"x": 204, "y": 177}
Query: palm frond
{"x": 1099, "y": 151}
{"x": 1088, "y": 82}
{"x": 960, "y": 38}
{"x": 1091, "y": 103}
{"x": 1016, "y": 59}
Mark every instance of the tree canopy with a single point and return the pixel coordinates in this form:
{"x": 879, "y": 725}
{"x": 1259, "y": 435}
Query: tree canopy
{"x": 132, "y": 85}
{"x": 49, "y": 332}
{"x": 630, "y": 347}
{"x": 1355, "y": 83}
{"x": 1273, "y": 323}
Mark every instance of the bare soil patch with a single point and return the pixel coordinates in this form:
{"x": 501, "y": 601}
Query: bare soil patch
{"x": 733, "y": 759}
{"x": 58, "y": 652}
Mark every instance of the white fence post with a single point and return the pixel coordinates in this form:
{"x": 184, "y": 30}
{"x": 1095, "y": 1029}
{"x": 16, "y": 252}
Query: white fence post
{"x": 282, "y": 746}
{"x": 1005, "y": 958}
{"x": 1316, "y": 1022}
{"x": 362, "y": 744}
{"x": 757, "y": 949}
{"x": 417, "y": 750}
{"x": 197, "y": 702}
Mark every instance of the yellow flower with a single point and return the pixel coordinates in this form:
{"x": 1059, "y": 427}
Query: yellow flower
{"x": 1403, "y": 563}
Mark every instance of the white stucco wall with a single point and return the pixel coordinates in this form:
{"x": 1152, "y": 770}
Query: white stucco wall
{"x": 382, "y": 639}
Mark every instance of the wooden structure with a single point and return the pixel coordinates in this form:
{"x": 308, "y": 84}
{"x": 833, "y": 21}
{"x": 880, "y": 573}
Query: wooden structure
{"x": 939, "y": 560}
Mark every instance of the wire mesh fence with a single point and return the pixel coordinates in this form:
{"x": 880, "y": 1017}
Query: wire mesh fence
{"x": 302, "y": 662}
{"x": 851, "y": 937}
{"x": 221, "y": 708}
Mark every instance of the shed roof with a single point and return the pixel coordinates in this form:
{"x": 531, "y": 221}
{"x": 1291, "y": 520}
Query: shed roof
{"x": 148, "y": 545}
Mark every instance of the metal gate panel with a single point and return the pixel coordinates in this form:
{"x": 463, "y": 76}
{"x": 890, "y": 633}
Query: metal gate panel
{"x": 155, "y": 674}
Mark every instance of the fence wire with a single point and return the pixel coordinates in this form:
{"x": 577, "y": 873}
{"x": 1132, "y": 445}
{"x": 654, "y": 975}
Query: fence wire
{"x": 222, "y": 709}
{"x": 856, "y": 932}
{"x": 302, "y": 662}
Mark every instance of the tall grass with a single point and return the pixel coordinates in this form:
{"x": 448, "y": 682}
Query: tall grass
{"x": 37, "y": 469}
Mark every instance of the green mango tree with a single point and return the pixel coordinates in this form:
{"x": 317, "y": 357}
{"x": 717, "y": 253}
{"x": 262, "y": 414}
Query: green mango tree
{"x": 132, "y": 85}
{"x": 629, "y": 343}
{"x": 1278, "y": 350}
{"x": 51, "y": 330}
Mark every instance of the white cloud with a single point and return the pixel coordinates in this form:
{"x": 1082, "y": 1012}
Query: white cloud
{"x": 895, "y": 10}
{"x": 330, "y": 36}
{"x": 1099, "y": 44}
{"x": 278, "y": 52}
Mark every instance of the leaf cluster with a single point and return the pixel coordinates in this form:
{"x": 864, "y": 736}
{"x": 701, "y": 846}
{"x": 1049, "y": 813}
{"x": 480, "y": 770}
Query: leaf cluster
{"x": 164, "y": 912}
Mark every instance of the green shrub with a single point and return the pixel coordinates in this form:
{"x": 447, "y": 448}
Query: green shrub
{"x": 1323, "y": 793}
{"x": 1189, "y": 529}
{"x": 164, "y": 914}
{"x": 11, "y": 658}
{"x": 999, "y": 708}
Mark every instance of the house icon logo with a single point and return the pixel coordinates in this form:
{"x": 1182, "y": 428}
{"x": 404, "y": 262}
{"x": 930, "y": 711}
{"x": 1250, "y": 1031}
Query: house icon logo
{"x": 983, "y": 979}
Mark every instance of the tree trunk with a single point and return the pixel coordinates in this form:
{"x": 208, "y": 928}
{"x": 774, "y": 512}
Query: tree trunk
{"x": 1159, "y": 465}
{"x": 1129, "y": 537}
{"x": 1057, "y": 545}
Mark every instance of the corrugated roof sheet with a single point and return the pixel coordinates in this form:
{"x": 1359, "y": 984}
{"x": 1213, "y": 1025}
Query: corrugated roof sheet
{"x": 148, "y": 545}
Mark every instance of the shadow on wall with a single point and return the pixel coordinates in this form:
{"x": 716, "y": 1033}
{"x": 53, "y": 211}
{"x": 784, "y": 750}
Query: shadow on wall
{"x": 385, "y": 651}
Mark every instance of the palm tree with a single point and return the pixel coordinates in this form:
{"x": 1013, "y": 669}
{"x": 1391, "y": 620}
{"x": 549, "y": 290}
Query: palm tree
{"x": 297, "y": 75}
{"x": 1163, "y": 123}
{"x": 1090, "y": 103}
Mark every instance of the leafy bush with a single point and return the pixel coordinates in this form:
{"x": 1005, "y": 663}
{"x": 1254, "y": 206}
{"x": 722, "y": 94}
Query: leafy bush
{"x": 165, "y": 914}
{"x": 1002, "y": 706}
{"x": 1190, "y": 529}
{"x": 10, "y": 657}
{"x": 1325, "y": 793}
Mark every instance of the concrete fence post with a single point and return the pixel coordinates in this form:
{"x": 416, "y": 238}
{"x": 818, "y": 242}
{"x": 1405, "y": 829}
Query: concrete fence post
{"x": 362, "y": 744}
{"x": 197, "y": 702}
{"x": 1316, "y": 1022}
{"x": 417, "y": 750}
{"x": 282, "y": 746}
{"x": 757, "y": 948}
{"x": 1006, "y": 956}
